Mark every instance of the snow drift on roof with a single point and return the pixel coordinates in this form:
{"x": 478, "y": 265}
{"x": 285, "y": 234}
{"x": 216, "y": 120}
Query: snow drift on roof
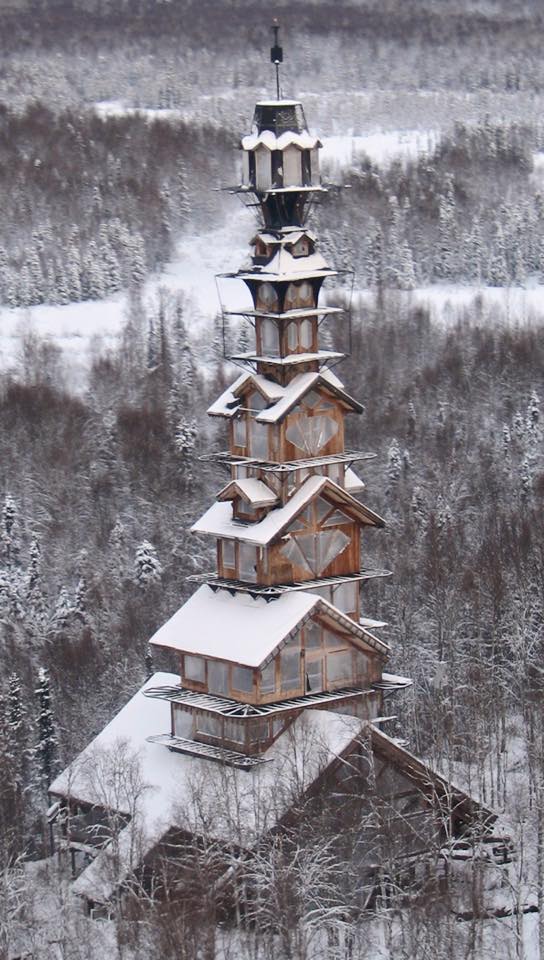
{"x": 304, "y": 141}
{"x": 281, "y": 399}
{"x": 234, "y": 627}
{"x": 188, "y": 792}
{"x": 251, "y": 490}
{"x": 219, "y": 522}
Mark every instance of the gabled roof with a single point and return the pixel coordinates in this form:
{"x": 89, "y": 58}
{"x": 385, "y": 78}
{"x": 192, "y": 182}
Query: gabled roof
{"x": 219, "y": 522}
{"x": 178, "y": 787}
{"x": 287, "y": 235}
{"x": 284, "y": 266}
{"x": 251, "y": 491}
{"x": 237, "y": 628}
{"x": 281, "y": 399}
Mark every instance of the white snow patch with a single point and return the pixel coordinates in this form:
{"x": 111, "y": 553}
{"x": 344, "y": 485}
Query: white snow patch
{"x": 497, "y": 306}
{"x": 382, "y": 148}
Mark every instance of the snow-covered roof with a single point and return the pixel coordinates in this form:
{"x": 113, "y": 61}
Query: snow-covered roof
{"x": 285, "y": 268}
{"x": 235, "y": 627}
{"x": 283, "y": 265}
{"x": 281, "y": 399}
{"x": 218, "y": 519}
{"x": 287, "y": 235}
{"x": 352, "y": 482}
{"x": 270, "y": 140}
{"x": 188, "y": 792}
{"x": 251, "y": 490}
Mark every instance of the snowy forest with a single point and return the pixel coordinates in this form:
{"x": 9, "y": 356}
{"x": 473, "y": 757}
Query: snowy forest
{"x": 119, "y": 123}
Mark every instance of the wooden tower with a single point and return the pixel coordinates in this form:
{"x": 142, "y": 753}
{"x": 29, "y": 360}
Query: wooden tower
{"x": 280, "y": 626}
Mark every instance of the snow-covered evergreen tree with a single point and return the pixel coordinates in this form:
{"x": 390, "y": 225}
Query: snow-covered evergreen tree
{"x": 147, "y": 568}
{"x": 10, "y": 531}
{"x": 47, "y": 739}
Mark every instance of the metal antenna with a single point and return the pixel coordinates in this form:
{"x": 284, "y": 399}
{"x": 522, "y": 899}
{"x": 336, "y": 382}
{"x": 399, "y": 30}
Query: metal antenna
{"x": 276, "y": 55}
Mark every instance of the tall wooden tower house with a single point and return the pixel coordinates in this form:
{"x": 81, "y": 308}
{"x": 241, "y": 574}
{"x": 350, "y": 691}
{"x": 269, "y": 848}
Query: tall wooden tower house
{"x": 277, "y": 643}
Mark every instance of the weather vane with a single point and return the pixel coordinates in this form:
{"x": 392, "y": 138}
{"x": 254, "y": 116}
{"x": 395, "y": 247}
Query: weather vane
{"x": 276, "y": 55}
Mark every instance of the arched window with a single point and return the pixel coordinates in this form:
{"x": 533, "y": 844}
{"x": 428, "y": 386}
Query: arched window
{"x": 299, "y": 295}
{"x": 269, "y": 338}
{"x": 267, "y": 298}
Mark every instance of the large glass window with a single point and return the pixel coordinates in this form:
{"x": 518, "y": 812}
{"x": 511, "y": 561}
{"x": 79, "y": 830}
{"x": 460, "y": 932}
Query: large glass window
{"x": 306, "y": 334}
{"x": 315, "y": 551}
{"x": 183, "y": 723}
{"x": 344, "y": 597}
{"x": 313, "y": 634}
{"x": 228, "y": 554}
{"x": 268, "y": 677}
{"x": 290, "y": 666}
{"x": 339, "y": 667}
{"x": 311, "y": 434}
{"x": 195, "y": 669}
{"x": 314, "y": 674}
{"x": 267, "y": 298}
{"x": 258, "y": 439}
{"x": 247, "y": 562}
{"x": 218, "y": 677}
{"x": 242, "y": 679}
{"x": 234, "y": 730}
{"x": 208, "y": 724}
{"x": 240, "y": 431}
{"x": 269, "y": 338}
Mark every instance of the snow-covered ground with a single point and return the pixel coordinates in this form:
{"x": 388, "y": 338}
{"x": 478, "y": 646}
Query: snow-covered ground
{"x": 382, "y": 148}
{"x": 447, "y": 303}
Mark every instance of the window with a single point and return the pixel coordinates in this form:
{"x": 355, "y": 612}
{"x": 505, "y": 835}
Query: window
{"x": 362, "y": 664}
{"x": 247, "y": 562}
{"x": 306, "y": 168}
{"x": 301, "y": 248}
{"x": 259, "y": 731}
{"x": 208, "y": 724}
{"x": 239, "y": 432}
{"x": 339, "y": 667}
{"x": 267, "y": 298}
{"x": 314, "y": 674}
{"x": 195, "y": 669}
{"x": 269, "y": 338}
{"x": 290, "y": 666}
{"x": 228, "y": 553}
{"x": 277, "y": 168}
{"x": 306, "y": 334}
{"x": 256, "y": 401}
{"x": 218, "y": 678}
{"x": 234, "y": 730}
{"x": 292, "y": 336}
{"x": 344, "y": 596}
{"x": 332, "y": 639}
{"x": 313, "y": 634}
{"x": 268, "y": 677}
{"x": 299, "y": 295}
{"x": 315, "y": 551}
{"x": 242, "y": 679}
{"x": 258, "y": 439}
{"x": 183, "y": 723}
{"x": 311, "y": 434}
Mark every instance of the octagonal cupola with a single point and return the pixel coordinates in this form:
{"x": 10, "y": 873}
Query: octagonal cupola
{"x": 280, "y": 153}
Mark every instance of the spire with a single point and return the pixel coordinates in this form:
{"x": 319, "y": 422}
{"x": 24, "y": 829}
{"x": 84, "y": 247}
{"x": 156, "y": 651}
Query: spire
{"x": 276, "y": 56}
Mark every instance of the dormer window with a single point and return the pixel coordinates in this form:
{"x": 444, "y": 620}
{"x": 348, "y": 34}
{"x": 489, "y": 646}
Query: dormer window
{"x": 301, "y": 248}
